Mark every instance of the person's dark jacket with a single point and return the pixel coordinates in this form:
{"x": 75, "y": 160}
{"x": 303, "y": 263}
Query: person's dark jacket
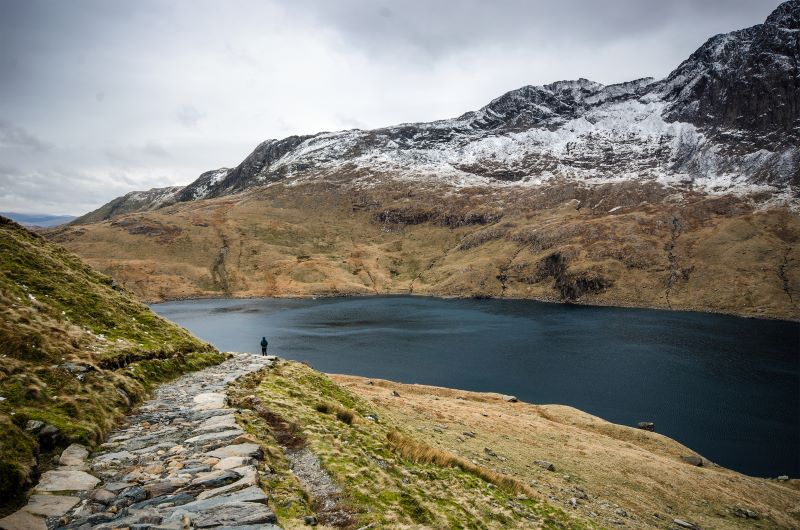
{"x": 264, "y": 342}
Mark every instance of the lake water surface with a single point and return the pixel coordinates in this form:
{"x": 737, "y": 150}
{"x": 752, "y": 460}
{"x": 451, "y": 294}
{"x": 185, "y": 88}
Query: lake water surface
{"x": 727, "y": 387}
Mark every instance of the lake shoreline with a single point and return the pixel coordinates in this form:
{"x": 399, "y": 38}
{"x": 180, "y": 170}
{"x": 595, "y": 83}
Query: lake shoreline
{"x": 233, "y": 296}
{"x": 700, "y": 377}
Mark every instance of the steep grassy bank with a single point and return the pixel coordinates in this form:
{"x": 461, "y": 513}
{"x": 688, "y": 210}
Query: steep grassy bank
{"x": 627, "y": 244}
{"x": 76, "y": 351}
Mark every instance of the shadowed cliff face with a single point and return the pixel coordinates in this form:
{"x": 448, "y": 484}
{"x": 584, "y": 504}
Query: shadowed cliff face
{"x": 747, "y": 80}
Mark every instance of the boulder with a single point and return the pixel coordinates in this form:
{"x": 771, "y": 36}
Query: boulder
{"x": 745, "y": 513}
{"x": 646, "y": 426}
{"x": 49, "y": 436}
{"x": 544, "y": 464}
{"x": 693, "y": 460}
{"x": 34, "y": 426}
{"x": 685, "y": 524}
{"x": 510, "y": 399}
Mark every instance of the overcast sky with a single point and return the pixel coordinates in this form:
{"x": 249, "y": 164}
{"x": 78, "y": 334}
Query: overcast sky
{"x": 98, "y": 98}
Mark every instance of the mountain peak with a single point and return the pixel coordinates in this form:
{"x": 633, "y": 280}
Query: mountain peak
{"x": 786, "y": 16}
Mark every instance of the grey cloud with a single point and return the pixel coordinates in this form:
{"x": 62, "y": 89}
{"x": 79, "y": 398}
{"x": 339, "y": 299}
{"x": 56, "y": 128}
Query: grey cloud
{"x": 155, "y": 149}
{"x": 17, "y": 137}
{"x": 189, "y": 116}
{"x": 446, "y": 26}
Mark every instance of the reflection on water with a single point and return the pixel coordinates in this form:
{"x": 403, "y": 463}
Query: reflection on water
{"x": 727, "y": 387}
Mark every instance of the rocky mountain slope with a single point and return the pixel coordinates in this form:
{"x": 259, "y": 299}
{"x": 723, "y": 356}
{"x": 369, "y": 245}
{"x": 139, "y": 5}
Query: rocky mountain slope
{"x": 76, "y": 351}
{"x": 676, "y": 193}
{"x": 725, "y": 120}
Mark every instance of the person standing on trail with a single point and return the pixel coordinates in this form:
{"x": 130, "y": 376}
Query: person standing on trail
{"x": 264, "y": 344}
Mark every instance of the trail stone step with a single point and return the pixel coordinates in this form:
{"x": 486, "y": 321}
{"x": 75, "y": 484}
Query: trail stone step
{"x": 242, "y": 513}
{"x": 214, "y": 436}
{"x": 67, "y": 480}
{"x": 74, "y": 456}
{"x": 50, "y": 505}
{"x": 250, "y": 495}
{"x": 179, "y": 460}
{"x": 22, "y": 520}
{"x": 245, "y": 450}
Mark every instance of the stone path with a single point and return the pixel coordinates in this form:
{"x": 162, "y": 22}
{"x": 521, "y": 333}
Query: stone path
{"x": 179, "y": 462}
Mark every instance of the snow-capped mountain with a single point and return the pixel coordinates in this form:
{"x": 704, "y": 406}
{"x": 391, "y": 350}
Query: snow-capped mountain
{"x": 727, "y": 120}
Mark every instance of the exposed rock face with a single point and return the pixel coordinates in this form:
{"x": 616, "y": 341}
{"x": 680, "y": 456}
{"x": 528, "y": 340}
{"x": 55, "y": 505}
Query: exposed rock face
{"x": 746, "y": 80}
{"x": 726, "y": 120}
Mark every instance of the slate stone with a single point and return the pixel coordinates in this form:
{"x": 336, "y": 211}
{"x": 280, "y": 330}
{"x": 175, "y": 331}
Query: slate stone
{"x": 249, "y": 478}
{"x": 208, "y": 401}
{"x": 249, "y": 495}
{"x": 246, "y": 449}
{"x": 215, "y": 479}
{"x": 74, "y": 456}
{"x": 50, "y": 505}
{"x": 22, "y": 520}
{"x": 239, "y": 513}
{"x": 231, "y": 462}
{"x": 177, "y": 499}
{"x": 67, "y": 480}
{"x": 214, "y": 436}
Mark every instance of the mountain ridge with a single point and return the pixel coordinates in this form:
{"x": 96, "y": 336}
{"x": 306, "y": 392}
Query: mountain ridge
{"x": 726, "y": 120}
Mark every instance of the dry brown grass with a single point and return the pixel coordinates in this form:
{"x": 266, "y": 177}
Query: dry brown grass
{"x": 615, "y": 467}
{"x": 422, "y": 453}
{"x": 313, "y": 239}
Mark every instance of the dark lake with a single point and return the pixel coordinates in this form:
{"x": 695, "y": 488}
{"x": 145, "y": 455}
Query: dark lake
{"x": 727, "y": 387}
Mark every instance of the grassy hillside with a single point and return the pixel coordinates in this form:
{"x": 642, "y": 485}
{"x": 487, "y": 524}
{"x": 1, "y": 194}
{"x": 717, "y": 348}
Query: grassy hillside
{"x": 76, "y": 351}
{"x": 623, "y": 244}
{"x": 387, "y": 478}
{"x": 414, "y": 456}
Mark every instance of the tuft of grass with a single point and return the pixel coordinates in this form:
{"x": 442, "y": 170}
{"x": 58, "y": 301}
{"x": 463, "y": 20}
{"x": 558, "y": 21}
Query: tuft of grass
{"x": 345, "y": 416}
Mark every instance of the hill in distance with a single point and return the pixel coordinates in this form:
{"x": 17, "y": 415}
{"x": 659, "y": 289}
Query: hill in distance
{"x": 40, "y": 220}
